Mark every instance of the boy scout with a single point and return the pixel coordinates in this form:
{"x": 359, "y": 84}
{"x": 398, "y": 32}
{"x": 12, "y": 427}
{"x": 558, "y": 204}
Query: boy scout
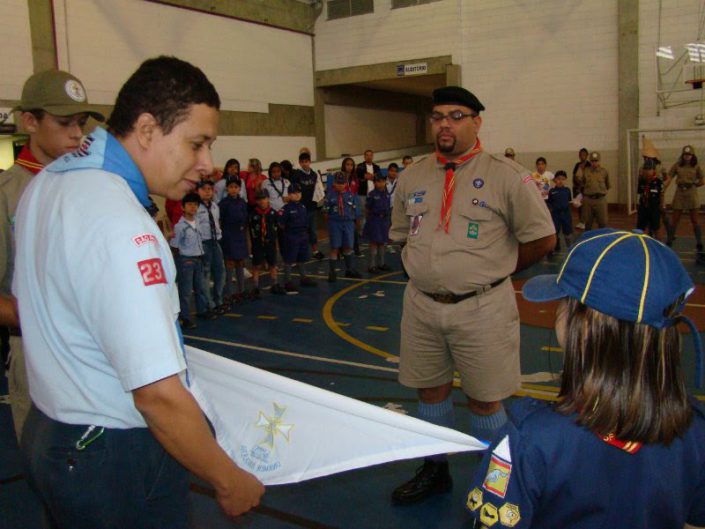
{"x": 469, "y": 219}
{"x": 53, "y": 111}
{"x": 688, "y": 176}
{"x": 596, "y": 183}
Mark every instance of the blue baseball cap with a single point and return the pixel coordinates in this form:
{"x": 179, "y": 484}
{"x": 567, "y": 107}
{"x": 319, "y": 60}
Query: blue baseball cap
{"x": 624, "y": 274}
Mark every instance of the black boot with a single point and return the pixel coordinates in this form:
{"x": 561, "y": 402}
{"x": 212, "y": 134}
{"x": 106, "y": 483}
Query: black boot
{"x": 431, "y": 478}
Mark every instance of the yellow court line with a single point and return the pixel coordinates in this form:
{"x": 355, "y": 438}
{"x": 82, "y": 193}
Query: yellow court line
{"x": 552, "y": 349}
{"x": 696, "y": 305}
{"x": 302, "y": 320}
{"x": 233, "y": 315}
{"x": 371, "y": 280}
{"x": 266, "y": 317}
{"x": 342, "y": 324}
{"x": 333, "y": 325}
{"x": 375, "y": 328}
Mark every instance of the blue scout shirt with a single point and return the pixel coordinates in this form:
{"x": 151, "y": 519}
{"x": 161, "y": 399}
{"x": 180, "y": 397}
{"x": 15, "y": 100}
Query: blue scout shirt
{"x": 378, "y": 204}
{"x": 294, "y": 218}
{"x": 559, "y": 198}
{"x": 96, "y": 287}
{"x": 543, "y": 470}
{"x": 336, "y": 213}
{"x": 263, "y": 226}
{"x": 187, "y": 239}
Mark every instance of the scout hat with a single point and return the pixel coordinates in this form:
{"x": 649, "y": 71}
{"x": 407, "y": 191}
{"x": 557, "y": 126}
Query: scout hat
{"x": 379, "y": 176}
{"x": 688, "y": 149}
{"x": 58, "y": 93}
{"x": 339, "y": 178}
{"x": 595, "y": 156}
{"x": 449, "y": 95}
{"x": 294, "y": 188}
{"x": 623, "y": 274}
{"x": 648, "y": 150}
{"x": 509, "y": 152}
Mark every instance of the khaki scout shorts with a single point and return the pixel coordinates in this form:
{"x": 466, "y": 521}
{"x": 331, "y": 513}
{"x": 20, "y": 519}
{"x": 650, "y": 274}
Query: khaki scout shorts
{"x": 686, "y": 199}
{"x": 478, "y": 336}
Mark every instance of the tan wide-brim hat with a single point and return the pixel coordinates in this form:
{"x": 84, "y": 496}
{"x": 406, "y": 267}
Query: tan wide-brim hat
{"x": 648, "y": 150}
{"x": 57, "y": 92}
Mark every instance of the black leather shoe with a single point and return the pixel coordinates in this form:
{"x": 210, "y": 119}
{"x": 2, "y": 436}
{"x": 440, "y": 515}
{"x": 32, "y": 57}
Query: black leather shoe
{"x": 431, "y": 478}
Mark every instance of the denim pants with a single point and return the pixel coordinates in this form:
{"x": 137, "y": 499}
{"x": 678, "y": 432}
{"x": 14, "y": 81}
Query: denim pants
{"x": 122, "y": 479}
{"x": 312, "y": 236}
{"x": 213, "y": 264}
{"x": 190, "y": 278}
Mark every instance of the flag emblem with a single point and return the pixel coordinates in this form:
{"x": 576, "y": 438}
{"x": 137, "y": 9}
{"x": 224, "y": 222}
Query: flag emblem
{"x": 497, "y": 478}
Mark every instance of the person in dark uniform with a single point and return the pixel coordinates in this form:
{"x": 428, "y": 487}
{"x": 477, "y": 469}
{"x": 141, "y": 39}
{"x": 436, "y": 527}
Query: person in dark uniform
{"x": 306, "y": 178}
{"x": 365, "y": 173}
{"x": 233, "y": 218}
{"x": 623, "y": 446}
{"x": 650, "y": 199}
{"x": 559, "y": 203}
{"x": 688, "y": 177}
{"x": 341, "y": 209}
{"x": 294, "y": 222}
{"x": 263, "y": 223}
{"x": 378, "y": 209}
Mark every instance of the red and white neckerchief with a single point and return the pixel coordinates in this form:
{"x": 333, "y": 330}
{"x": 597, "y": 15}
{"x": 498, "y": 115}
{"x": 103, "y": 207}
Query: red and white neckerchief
{"x": 631, "y": 447}
{"x": 263, "y": 213}
{"x": 27, "y": 160}
{"x": 450, "y": 167}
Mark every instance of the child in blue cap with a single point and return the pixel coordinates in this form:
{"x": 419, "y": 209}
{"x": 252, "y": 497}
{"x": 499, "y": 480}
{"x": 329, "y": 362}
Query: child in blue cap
{"x": 624, "y": 446}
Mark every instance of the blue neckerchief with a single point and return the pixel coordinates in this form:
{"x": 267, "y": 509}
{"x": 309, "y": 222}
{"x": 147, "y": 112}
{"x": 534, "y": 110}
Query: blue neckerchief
{"x": 100, "y": 150}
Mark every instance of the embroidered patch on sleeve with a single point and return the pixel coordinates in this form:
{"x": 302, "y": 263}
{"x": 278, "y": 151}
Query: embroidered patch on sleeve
{"x": 474, "y": 501}
{"x": 152, "y": 271}
{"x": 145, "y": 238}
{"x": 509, "y": 515}
{"x": 497, "y": 478}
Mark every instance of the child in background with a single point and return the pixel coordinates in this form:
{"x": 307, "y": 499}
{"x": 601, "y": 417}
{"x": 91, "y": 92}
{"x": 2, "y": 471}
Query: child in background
{"x": 377, "y": 224}
{"x": 341, "y": 211}
{"x": 208, "y": 223}
{"x": 263, "y": 224}
{"x": 188, "y": 248}
{"x": 542, "y": 177}
{"x": 392, "y": 175}
{"x": 559, "y": 198}
{"x": 623, "y": 446}
{"x": 294, "y": 225}
{"x": 650, "y": 198}
{"x": 233, "y": 218}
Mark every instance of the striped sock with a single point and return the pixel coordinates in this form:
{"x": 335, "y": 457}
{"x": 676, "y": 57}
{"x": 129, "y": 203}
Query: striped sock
{"x": 485, "y": 426}
{"x": 441, "y": 414}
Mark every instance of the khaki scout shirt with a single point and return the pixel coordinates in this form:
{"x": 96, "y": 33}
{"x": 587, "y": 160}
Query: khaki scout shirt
{"x": 686, "y": 174}
{"x": 12, "y": 184}
{"x": 596, "y": 181}
{"x": 496, "y": 206}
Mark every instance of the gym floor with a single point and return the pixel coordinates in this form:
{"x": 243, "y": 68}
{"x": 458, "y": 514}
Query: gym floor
{"x": 344, "y": 337}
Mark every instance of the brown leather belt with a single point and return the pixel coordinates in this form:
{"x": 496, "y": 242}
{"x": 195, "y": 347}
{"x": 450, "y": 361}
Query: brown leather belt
{"x": 683, "y": 187}
{"x": 595, "y": 196}
{"x": 449, "y": 298}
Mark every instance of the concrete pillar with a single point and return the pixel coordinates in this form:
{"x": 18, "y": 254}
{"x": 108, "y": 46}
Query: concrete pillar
{"x": 628, "y": 83}
{"x": 41, "y": 22}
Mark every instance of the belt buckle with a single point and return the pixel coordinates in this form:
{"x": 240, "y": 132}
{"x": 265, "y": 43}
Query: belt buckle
{"x": 445, "y": 298}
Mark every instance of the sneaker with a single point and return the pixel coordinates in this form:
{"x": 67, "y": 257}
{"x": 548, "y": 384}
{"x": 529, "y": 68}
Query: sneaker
{"x": 222, "y": 309}
{"x": 289, "y": 287}
{"x": 430, "y": 479}
{"x": 207, "y": 315}
{"x": 353, "y": 273}
{"x": 332, "y": 277}
{"x": 307, "y": 282}
{"x": 277, "y": 289}
{"x": 384, "y": 268}
{"x": 318, "y": 255}
{"x": 580, "y": 226}
{"x": 187, "y": 325}
{"x": 373, "y": 270}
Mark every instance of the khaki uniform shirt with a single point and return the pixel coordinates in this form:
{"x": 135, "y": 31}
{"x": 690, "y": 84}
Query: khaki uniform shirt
{"x": 12, "y": 184}
{"x": 686, "y": 174}
{"x": 496, "y": 206}
{"x": 596, "y": 181}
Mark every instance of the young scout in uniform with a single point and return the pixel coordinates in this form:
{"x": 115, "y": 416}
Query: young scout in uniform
{"x": 208, "y": 222}
{"x": 233, "y": 218}
{"x": 294, "y": 225}
{"x": 306, "y": 178}
{"x": 623, "y": 446}
{"x": 559, "y": 203}
{"x": 189, "y": 263}
{"x": 377, "y": 224}
{"x": 53, "y": 111}
{"x": 596, "y": 183}
{"x": 114, "y": 431}
{"x": 688, "y": 177}
{"x": 470, "y": 220}
{"x": 341, "y": 211}
{"x": 650, "y": 199}
{"x": 264, "y": 225}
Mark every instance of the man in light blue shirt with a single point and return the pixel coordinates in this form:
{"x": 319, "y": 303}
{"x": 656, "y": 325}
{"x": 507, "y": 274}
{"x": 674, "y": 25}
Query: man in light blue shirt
{"x": 113, "y": 428}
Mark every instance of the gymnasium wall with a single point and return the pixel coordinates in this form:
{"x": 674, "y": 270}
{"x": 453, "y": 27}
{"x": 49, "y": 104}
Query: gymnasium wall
{"x": 16, "y": 55}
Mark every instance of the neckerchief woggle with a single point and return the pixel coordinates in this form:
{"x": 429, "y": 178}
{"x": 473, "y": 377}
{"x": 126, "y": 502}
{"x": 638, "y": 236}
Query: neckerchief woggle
{"x": 100, "y": 150}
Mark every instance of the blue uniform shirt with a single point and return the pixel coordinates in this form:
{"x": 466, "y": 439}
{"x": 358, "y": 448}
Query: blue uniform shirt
{"x": 349, "y": 206}
{"x": 559, "y": 198}
{"x": 187, "y": 239}
{"x": 294, "y": 218}
{"x": 263, "y": 226}
{"x": 543, "y": 470}
{"x": 378, "y": 204}
{"x": 96, "y": 287}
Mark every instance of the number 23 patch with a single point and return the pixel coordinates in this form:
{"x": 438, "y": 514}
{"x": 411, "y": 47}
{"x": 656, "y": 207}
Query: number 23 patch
{"x": 152, "y": 271}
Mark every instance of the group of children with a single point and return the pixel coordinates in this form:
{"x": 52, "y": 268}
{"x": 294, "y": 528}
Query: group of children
{"x": 210, "y": 236}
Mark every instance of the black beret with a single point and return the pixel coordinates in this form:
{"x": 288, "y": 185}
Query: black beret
{"x": 340, "y": 178}
{"x": 449, "y": 95}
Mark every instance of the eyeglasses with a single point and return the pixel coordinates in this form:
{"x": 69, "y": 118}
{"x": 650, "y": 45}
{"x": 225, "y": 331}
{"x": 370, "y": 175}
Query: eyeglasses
{"x": 455, "y": 116}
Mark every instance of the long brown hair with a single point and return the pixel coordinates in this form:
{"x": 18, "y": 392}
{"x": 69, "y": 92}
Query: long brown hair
{"x": 623, "y": 378}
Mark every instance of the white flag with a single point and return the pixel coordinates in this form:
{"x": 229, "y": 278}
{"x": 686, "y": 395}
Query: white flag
{"x": 285, "y": 431}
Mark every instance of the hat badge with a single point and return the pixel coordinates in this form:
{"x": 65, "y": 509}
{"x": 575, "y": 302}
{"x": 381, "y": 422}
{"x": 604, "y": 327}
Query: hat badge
{"x": 75, "y": 91}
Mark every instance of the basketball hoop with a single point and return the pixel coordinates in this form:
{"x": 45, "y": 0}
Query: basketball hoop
{"x": 696, "y": 83}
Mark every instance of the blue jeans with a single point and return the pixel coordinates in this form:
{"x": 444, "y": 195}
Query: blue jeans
{"x": 190, "y": 278}
{"x": 122, "y": 479}
{"x": 213, "y": 263}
